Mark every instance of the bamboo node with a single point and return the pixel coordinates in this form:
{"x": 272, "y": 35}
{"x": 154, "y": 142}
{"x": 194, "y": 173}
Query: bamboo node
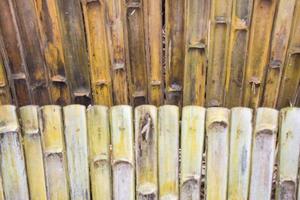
{"x": 59, "y": 79}
{"x": 275, "y": 64}
{"x": 134, "y": 5}
{"x": 18, "y": 76}
{"x": 118, "y": 66}
{"x": 197, "y": 45}
{"x": 147, "y": 191}
{"x": 220, "y": 20}
{"x": 155, "y": 83}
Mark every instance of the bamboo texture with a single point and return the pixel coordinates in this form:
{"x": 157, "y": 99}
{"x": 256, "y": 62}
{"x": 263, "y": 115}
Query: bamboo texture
{"x": 5, "y": 96}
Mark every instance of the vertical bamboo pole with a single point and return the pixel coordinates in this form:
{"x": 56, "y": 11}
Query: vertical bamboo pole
{"x": 77, "y": 151}
{"x": 51, "y": 42}
{"x": 237, "y": 53}
{"x": 240, "y": 153}
{"x": 196, "y": 31}
{"x": 95, "y": 26}
{"x": 13, "y": 169}
{"x": 217, "y": 130}
{"x": 289, "y": 152}
{"x": 220, "y": 19}
{"x": 51, "y": 122}
{"x": 5, "y": 95}
{"x": 258, "y": 50}
{"x": 123, "y": 153}
{"x": 279, "y": 45}
{"x": 168, "y": 144}
{"x": 192, "y": 143}
{"x": 263, "y": 153}
{"x": 33, "y": 152}
{"x": 99, "y": 152}
{"x": 146, "y": 152}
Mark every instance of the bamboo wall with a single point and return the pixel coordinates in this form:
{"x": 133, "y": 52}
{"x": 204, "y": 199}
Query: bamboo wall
{"x": 181, "y": 52}
{"x": 121, "y": 153}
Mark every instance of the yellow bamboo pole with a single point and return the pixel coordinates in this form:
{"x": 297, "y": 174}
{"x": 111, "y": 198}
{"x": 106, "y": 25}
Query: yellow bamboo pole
{"x": 168, "y": 145}
{"x": 99, "y": 152}
{"x": 13, "y": 169}
{"x": 122, "y": 152}
{"x": 192, "y": 146}
{"x": 51, "y": 123}
{"x": 5, "y": 96}
{"x": 33, "y": 152}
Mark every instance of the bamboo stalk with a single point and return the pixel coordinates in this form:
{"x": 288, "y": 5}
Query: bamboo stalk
{"x": 192, "y": 143}
{"x": 168, "y": 144}
{"x": 217, "y": 149}
{"x": 13, "y": 169}
{"x": 196, "y": 30}
{"x": 51, "y": 123}
{"x": 95, "y": 26}
{"x": 289, "y": 142}
{"x": 5, "y": 96}
{"x": 99, "y": 152}
{"x": 33, "y": 152}
{"x": 146, "y": 139}
{"x": 122, "y": 153}
{"x": 77, "y": 151}
{"x": 258, "y": 50}
{"x": 237, "y": 53}
{"x": 174, "y": 28}
{"x": 51, "y": 42}
{"x": 263, "y": 153}
{"x": 218, "y": 43}
{"x": 240, "y": 153}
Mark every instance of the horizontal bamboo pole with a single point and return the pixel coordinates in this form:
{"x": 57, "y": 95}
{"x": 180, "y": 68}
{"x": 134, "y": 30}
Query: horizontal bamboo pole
{"x": 33, "y": 152}
{"x": 99, "y": 152}
{"x": 192, "y": 146}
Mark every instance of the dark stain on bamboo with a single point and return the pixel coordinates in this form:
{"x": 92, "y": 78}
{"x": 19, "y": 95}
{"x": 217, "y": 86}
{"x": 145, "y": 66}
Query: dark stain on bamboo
{"x": 287, "y": 190}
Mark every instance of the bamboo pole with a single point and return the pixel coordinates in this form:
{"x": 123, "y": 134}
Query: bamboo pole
{"x": 289, "y": 152}
{"x": 263, "y": 153}
{"x": 146, "y": 139}
{"x": 13, "y": 169}
{"x": 51, "y": 123}
{"x": 237, "y": 53}
{"x": 33, "y": 152}
{"x": 122, "y": 153}
{"x": 5, "y": 95}
{"x": 196, "y": 31}
{"x": 240, "y": 153}
{"x": 217, "y": 149}
{"x": 99, "y": 58}
{"x": 258, "y": 51}
{"x": 174, "y": 30}
{"x": 220, "y": 20}
{"x": 168, "y": 144}
{"x": 77, "y": 151}
{"x": 192, "y": 146}
{"x": 99, "y": 152}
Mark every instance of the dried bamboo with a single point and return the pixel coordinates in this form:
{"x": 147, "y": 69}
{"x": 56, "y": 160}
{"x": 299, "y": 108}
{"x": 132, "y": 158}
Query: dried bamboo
{"x": 33, "y": 152}
{"x": 237, "y": 53}
{"x": 120, "y": 66}
{"x": 99, "y": 152}
{"x": 217, "y": 149}
{"x": 122, "y": 153}
{"x": 192, "y": 143}
{"x": 240, "y": 153}
{"x": 95, "y": 26}
{"x": 12, "y": 159}
{"x": 291, "y": 73}
{"x": 174, "y": 19}
{"x": 281, "y": 33}
{"x": 260, "y": 35}
{"x": 75, "y": 54}
{"x": 51, "y": 123}
{"x": 146, "y": 139}
{"x": 51, "y": 42}
{"x": 196, "y": 30}
{"x": 217, "y": 58}
{"x": 289, "y": 152}
{"x": 168, "y": 144}
{"x": 5, "y": 96}
{"x": 263, "y": 153}
{"x": 77, "y": 151}
{"x": 153, "y": 42}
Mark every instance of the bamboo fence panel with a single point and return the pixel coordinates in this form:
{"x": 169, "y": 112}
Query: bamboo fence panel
{"x": 52, "y": 132}
{"x": 192, "y": 146}
{"x": 33, "y": 152}
{"x": 13, "y": 168}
